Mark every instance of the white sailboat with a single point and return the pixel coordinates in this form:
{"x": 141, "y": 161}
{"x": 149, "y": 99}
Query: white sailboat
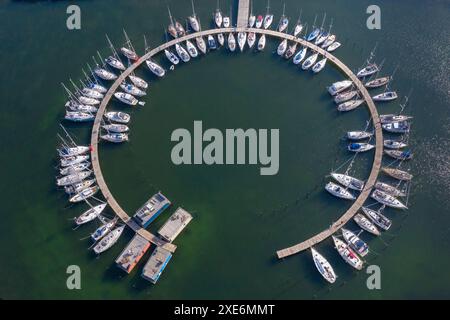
{"x": 128, "y": 50}
{"x": 182, "y": 53}
{"x": 348, "y": 181}
{"x": 103, "y": 230}
{"x": 284, "y": 21}
{"x": 126, "y": 98}
{"x": 268, "y": 19}
{"x": 231, "y": 42}
{"x": 339, "y": 191}
{"x": 366, "y": 224}
{"x": 308, "y": 63}
{"x": 132, "y": 89}
{"x": 347, "y": 254}
{"x": 109, "y": 240}
{"x": 300, "y": 55}
{"x": 117, "y": 116}
{"x": 242, "y": 39}
{"x": 193, "y": 20}
{"x": 360, "y": 147}
{"x": 345, "y": 96}
{"x": 77, "y": 116}
{"x": 85, "y": 194}
{"x": 262, "y": 42}
{"x": 155, "y": 68}
{"x": 350, "y": 105}
{"x": 358, "y": 135}
{"x": 388, "y": 200}
{"x": 172, "y": 57}
{"x": 282, "y": 47}
{"x": 201, "y": 44}
{"x": 191, "y": 48}
{"x": 319, "y": 65}
{"x": 116, "y": 128}
{"x": 323, "y": 266}
{"x": 72, "y": 178}
{"x": 355, "y": 242}
{"x": 115, "y": 137}
{"x": 251, "y": 39}
{"x": 138, "y": 82}
{"x": 90, "y": 214}
{"x": 334, "y": 46}
{"x": 339, "y": 86}
{"x": 393, "y": 191}
{"x": 218, "y": 16}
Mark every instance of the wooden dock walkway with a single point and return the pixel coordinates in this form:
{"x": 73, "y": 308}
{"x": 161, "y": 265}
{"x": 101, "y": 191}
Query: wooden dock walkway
{"x": 280, "y": 253}
{"x": 243, "y": 13}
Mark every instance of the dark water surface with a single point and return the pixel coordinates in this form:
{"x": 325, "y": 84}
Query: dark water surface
{"x": 240, "y": 217}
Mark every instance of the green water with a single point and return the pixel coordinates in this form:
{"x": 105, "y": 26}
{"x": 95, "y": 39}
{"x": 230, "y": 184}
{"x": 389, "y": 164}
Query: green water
{"x": 240, "y": 217}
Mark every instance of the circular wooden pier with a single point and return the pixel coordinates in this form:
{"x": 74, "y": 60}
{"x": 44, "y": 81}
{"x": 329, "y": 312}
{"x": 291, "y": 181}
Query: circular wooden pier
{"x": 280, "y": 253}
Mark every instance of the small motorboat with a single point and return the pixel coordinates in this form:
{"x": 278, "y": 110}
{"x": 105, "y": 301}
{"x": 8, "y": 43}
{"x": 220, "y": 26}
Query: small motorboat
{"x": 262, "y": 42}
{"x": 72, "y": 160}
{"x": 77, "y": 116}
{"x": 323, "y": 266}
{"x": 259, "y": 21}
{"x": 385, "y": 96}
{"x": 370, "y": 69}
{"x": 192, "y": 49}
{"x": 90, "y": 214}
{"x": 338, "y": 191}
{"x": 79, "y": 186}
{"x": 399, "y": 154}
{"x": 115, "y": 137}
{"x": 115, "y": 63}
{"x": 300, "y": 55}
{"x": 126, "y": 98}
{"x": 309, "y": 62}
{"x": 73, "y": 178}
{"x": 171, "y": 56}
{"x": 345, "y": 96}
{"x": 75, "y": 169}
{"x": 397, "y": 174}
{"x": 350, "y": 105}
{"x": 319, "y": 65}
{"x": 355, "y": 242}
{"x": 116, "y": 128}
{"x": 282, "y": 47}
{"x": 376, "y": 83}
{"x": 109, "y": 240}
{"x": 201, "y": 44}
{"x": 138, "y": 82}
{"x": 393, "y": 191}
{"x": 348, "y": 254}
{"x": 268, "y": 19}
{"x": 396, "y": 127}
{"x": 366, "y": 224}
{"x": 212, "y": 42}
{"x": 132, "y": 89}
{"x": 394, "y": 144}
{"x": 242, "y": 39}
{"x": 334, "y": 46}
{"x": 155, "y": 68}
{"x": 231, "y": 42}
{"x": 339, "y": 86}
{"x": 358, "y": 135}
{"x": 388, "y": 200}
{"x": 73, "y": 151}
{"x": 360, "y": 147}
{"x": 84, "y": 194}
{"x": 251, "y": 39}
{"x": 118, "y": 116}
{"x": 220, "y": 39}
{"x": 348, "y": 181}
{"x": 389, "y": 118}
{"x": 182, "y": 53}
{"x": 377, "y": 218}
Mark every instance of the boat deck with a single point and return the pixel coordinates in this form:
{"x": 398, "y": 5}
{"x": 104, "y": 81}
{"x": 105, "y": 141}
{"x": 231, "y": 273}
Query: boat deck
{"x": 132, "y": 253}
{"x": 151, "y": 209}
{"x": 176, "y": 223}
{"x": 156, "y": 264}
